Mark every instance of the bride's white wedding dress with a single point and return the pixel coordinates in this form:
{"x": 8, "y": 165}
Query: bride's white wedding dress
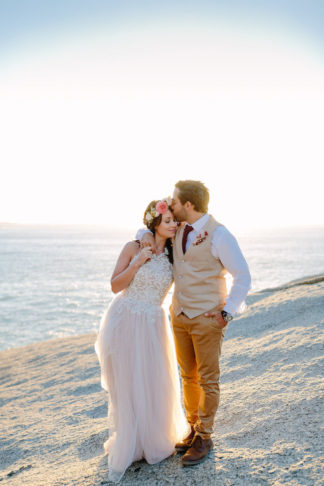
{"x": 138, "y": 369}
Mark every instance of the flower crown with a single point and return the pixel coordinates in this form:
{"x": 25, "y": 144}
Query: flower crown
{"x": 161, "y": 207}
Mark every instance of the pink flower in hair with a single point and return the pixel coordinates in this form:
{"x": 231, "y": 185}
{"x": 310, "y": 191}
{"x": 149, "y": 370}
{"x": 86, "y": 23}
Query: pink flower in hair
{"x": 161, "y": 207}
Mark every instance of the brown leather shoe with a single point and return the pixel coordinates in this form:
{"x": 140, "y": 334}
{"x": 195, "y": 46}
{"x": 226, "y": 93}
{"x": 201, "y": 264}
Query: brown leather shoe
{"x": 186, "y": 442}
{"x": 197, "y": 452}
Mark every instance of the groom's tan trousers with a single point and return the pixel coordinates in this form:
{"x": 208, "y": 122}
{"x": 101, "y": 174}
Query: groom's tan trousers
{"x": 198, "y": 343}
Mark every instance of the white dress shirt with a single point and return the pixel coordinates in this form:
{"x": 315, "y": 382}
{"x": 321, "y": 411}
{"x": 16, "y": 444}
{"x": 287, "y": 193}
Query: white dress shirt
{"x": 224, "y": 247}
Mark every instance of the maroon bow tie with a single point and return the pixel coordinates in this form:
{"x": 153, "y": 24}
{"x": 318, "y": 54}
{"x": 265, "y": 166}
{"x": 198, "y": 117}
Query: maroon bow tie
{"x": 186, "y": 232}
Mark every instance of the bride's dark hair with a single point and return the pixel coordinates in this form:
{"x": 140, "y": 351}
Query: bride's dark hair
{"x": 154, "y": 222}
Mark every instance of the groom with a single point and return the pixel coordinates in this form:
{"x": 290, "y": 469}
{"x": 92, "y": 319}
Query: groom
{"x": 203, "y": 251}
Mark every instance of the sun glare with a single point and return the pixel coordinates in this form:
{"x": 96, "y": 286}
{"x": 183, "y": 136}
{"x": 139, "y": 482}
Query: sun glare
{"x": 94, "y": 128}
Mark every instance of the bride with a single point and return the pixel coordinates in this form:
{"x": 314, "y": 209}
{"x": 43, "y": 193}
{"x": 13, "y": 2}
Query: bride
{"x": 136, "y": 352}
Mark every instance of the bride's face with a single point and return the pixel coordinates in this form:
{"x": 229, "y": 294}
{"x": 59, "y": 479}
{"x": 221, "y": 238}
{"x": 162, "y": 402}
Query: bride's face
{"x": 168, "y": 226}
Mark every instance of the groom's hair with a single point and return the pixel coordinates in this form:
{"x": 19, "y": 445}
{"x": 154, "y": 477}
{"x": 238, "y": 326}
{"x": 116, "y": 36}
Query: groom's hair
{"x": 196, "y": 193}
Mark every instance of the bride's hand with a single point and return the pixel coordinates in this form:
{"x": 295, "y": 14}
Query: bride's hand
{"x": 148, "y": 241}
{"x": 144, "y": 255}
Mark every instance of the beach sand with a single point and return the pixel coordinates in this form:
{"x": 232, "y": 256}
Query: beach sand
{"x": 267, "y": 429}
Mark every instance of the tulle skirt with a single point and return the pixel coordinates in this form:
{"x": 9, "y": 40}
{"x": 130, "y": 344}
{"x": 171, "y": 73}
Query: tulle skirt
{"x": 136, "y": 352}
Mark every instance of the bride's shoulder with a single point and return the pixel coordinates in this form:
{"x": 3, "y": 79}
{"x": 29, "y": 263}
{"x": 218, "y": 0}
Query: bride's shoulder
{"x": 133, "y": 246}
{"x": 128, "y": 252}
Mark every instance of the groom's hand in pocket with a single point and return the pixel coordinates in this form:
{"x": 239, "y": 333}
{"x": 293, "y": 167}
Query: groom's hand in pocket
{"x": 217, "y": 315}
{"x": 148, "y": 240}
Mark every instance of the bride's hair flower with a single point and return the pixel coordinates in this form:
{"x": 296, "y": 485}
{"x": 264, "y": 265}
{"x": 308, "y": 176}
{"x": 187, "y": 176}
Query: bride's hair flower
{"x": 161, "y": 207}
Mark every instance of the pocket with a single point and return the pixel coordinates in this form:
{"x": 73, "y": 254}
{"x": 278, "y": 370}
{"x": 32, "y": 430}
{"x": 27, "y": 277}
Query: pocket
{"x": 216, "y": 325}
{"x": 212, "y": 322}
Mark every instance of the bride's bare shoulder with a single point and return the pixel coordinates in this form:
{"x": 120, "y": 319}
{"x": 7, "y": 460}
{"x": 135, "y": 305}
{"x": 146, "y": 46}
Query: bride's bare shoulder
{"x": 132, "y": 247}
{"x": 129, "y": 250}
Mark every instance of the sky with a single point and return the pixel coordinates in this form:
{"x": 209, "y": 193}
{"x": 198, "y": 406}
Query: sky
{"x": 106, "y": 105}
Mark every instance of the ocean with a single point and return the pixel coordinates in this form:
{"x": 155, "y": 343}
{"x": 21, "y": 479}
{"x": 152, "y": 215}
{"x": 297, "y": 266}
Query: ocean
{"x": 55, "y": 280}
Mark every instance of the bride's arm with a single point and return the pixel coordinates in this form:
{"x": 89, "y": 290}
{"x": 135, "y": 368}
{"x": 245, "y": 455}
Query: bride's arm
{"x": 126, "y": 268}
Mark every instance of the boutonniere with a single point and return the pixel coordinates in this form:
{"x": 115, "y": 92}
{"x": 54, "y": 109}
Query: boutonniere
{"x": 200, "y": 238}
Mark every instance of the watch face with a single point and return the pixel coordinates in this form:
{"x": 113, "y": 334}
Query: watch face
{"x": 226, "y": 316}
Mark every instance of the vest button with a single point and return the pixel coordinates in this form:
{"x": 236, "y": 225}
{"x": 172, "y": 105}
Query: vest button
{"x": 179, "y": 276}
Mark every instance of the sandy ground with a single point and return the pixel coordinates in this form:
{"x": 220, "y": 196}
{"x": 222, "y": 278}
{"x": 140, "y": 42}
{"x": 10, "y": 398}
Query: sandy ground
{"x": 268, "y": 427}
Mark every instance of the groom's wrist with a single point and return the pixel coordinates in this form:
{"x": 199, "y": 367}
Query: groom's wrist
{"x": 226, "y": 316}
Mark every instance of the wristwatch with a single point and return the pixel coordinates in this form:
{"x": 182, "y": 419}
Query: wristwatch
{"x": 226, "y": 316}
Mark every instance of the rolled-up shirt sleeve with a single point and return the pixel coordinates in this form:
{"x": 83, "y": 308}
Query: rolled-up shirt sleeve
{"x": 141, "y": 232}
{"x": 226, "y": 248}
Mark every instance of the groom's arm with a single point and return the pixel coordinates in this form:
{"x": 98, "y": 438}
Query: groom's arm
{"x": 226, "y": 248}
{"x": 141, "y": 232}
{"x": 145, "y": 236}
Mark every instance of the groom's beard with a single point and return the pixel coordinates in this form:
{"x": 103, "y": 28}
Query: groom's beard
{"x": 181, "y": 215}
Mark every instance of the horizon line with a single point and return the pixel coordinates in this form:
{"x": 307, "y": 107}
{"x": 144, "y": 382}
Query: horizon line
{"x": 131, "y": 227}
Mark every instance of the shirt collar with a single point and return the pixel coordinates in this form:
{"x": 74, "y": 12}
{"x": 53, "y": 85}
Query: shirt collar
{"x": 200, "y": 223}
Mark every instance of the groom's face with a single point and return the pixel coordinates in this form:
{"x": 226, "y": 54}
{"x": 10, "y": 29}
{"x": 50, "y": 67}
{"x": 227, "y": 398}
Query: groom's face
{"x": 178, "y": 209}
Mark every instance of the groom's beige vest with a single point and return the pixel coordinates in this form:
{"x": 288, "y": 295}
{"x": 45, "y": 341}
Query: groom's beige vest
{"x": 199, "y": 277}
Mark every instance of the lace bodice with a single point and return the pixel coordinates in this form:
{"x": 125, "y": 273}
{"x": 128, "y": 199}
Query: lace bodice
{"x": 151, "y": 281}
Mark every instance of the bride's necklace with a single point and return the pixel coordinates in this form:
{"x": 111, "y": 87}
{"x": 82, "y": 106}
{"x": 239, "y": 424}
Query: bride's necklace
{"x": 159, "y": 251}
